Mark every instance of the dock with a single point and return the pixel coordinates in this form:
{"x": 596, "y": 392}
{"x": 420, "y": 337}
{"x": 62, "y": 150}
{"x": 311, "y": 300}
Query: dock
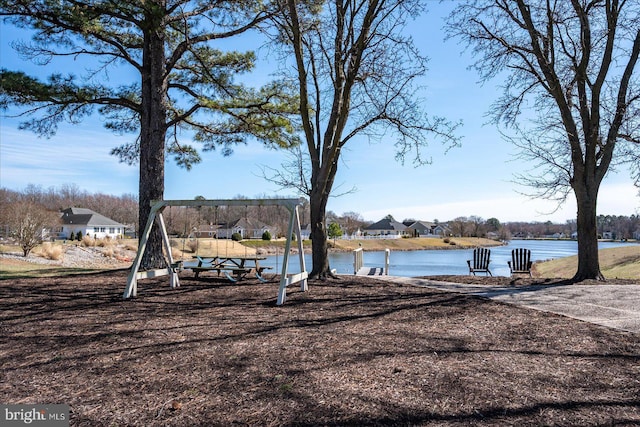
{"x": 359, "y": 268}
{"x": 370, "y": 271}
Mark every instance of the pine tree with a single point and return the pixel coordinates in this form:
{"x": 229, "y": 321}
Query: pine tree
{"x": 185, "y": 85}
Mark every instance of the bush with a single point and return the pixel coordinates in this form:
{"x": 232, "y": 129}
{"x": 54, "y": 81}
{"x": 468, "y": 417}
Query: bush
{"x": 266, "y": 235}
{"x": 79, "y": 236}
{"x": 176, "y": 254}
{"x": 193, "y": 245}
{"x": 236, "y": 237}
{"x": 87, "y": 240}
{"x": 131, "y": 247}
{"x": 104, "y": 243}
{"x": 52, "y": 252}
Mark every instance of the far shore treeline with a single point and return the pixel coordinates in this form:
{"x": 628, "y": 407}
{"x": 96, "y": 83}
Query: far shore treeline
{"x": 124, "y": 209}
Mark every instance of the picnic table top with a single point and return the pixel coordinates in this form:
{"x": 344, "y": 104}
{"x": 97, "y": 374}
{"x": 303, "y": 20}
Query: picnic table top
{"x": 230, "y": 257}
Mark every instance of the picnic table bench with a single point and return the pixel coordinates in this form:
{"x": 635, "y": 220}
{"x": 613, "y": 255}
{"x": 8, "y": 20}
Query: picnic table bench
{"x": 239, "y": 266}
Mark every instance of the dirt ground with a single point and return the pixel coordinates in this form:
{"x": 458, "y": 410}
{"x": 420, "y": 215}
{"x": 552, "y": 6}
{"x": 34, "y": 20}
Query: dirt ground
{"x": 353, "y": 352}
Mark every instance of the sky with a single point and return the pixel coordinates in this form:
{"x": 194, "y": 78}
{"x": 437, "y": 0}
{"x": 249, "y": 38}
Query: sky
{"x": 476, "y": 178}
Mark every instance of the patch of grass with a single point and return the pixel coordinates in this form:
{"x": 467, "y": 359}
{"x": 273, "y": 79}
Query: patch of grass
{"x": 622, "y": 263}
{"x": 268, "y": 244}
{"x": 14, "y": 269}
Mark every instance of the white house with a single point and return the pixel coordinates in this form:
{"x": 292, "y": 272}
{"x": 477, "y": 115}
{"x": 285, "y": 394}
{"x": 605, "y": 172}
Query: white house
{"x": 305, "y": 231}
{"x": 89, "y": 223}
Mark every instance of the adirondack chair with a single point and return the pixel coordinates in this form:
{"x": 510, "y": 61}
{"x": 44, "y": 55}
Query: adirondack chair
{"x": 481, "y": 259}
{"x": 520, "y": 261}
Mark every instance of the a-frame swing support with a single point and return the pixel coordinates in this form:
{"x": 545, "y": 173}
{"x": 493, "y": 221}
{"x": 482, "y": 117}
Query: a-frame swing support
{"x": 156, "y": 218}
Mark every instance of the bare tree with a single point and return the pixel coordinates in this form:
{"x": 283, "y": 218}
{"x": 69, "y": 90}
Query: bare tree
{"x": 570, "y": 70}
{"x": 352, "y": 222}
{"x": 460, "y": 226}
{"x": 30, "y": 223}
{"x": 356, "y": 74}
{"x": 477, "y": 226}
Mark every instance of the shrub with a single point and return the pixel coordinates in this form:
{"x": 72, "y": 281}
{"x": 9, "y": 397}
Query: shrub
{"x": 79, "y": 236}
{"x": 131, "y": 247}
{"x": 446, "y": 240}
{"x": 88, "y": 241}
{"x": 266, "y": 235}
{"x": 193, "y": 245}
{"x": 103, "y": 243}
{"x": 236, "y": 237}
{"x": 176, "y": 254}
{"x": 52, "y": 252}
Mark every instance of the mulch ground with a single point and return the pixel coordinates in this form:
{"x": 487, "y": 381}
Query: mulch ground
{"x": 524, "y": 280}
{"x": 352, "y": 352}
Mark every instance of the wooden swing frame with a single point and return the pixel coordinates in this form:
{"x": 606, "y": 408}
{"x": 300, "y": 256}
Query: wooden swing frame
{"x": 156, "y": 218}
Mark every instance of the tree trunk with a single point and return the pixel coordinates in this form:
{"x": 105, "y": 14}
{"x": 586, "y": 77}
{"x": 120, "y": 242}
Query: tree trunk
{"x": 319, "y": 243}
{"x": 588, "y": 261}
{"x": 152, "y": 140}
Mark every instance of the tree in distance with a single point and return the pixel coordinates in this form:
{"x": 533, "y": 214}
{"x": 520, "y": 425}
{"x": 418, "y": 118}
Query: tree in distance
{"x": 29, "y": 223}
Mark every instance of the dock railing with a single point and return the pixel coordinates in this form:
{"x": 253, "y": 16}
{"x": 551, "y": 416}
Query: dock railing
{"x": 358, "y": 264}
{"x": 358, "y": 260}
{"x": 387, "y": 255}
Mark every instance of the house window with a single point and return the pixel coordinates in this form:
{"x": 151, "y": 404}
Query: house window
{"x": 96, "y": 229}
{"x": 112, "y": 230}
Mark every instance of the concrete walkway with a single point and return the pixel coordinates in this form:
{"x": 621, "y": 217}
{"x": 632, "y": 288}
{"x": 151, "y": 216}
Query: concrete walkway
{"x": 614, "y": 306}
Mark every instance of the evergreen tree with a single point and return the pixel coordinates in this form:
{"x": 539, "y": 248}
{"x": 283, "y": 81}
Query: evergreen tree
{"x": 183, "y": 82}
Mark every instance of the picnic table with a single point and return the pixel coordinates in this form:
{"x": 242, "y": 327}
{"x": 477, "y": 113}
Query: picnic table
{"x": 239, "y": 266}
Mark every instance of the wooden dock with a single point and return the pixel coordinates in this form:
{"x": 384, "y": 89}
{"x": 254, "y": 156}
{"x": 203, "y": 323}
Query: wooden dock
{"x": 359, "y": 268}
{"x": 370, "y": 271}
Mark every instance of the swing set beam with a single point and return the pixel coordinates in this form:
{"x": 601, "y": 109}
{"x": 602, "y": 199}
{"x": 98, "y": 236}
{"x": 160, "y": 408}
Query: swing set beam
{"x": 156, "y": 218}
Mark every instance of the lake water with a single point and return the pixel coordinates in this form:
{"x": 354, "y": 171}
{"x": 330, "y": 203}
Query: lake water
{"x": 436, "y": 262}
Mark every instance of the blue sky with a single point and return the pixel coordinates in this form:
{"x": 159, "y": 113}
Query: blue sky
{"x": 474, "y": 179}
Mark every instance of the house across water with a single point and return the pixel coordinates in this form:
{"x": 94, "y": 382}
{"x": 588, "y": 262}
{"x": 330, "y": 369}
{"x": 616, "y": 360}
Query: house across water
{"x": 89, "y": 223}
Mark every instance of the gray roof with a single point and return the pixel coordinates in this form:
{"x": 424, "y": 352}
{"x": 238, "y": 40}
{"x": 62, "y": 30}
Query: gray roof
{"x": 246, "y": 224}
{"x": 422, "y": 224}
{"x": 387, "y": 224}
{"x": 82, "y": 216}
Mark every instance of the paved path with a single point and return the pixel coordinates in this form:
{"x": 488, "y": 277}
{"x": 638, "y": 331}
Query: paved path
{"x": 615, "y": 306}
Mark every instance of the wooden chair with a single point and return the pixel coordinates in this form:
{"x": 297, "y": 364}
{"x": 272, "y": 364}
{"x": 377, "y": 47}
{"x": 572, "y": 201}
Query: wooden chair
{"x": 520, "y": 261}
{"x": 481, "y": 259}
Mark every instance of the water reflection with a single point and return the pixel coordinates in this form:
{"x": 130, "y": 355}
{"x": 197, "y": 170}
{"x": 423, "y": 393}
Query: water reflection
{"x": 436, "y": 262}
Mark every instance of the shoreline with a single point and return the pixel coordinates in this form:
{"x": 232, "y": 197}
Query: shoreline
{"x": 396, "y": 245}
